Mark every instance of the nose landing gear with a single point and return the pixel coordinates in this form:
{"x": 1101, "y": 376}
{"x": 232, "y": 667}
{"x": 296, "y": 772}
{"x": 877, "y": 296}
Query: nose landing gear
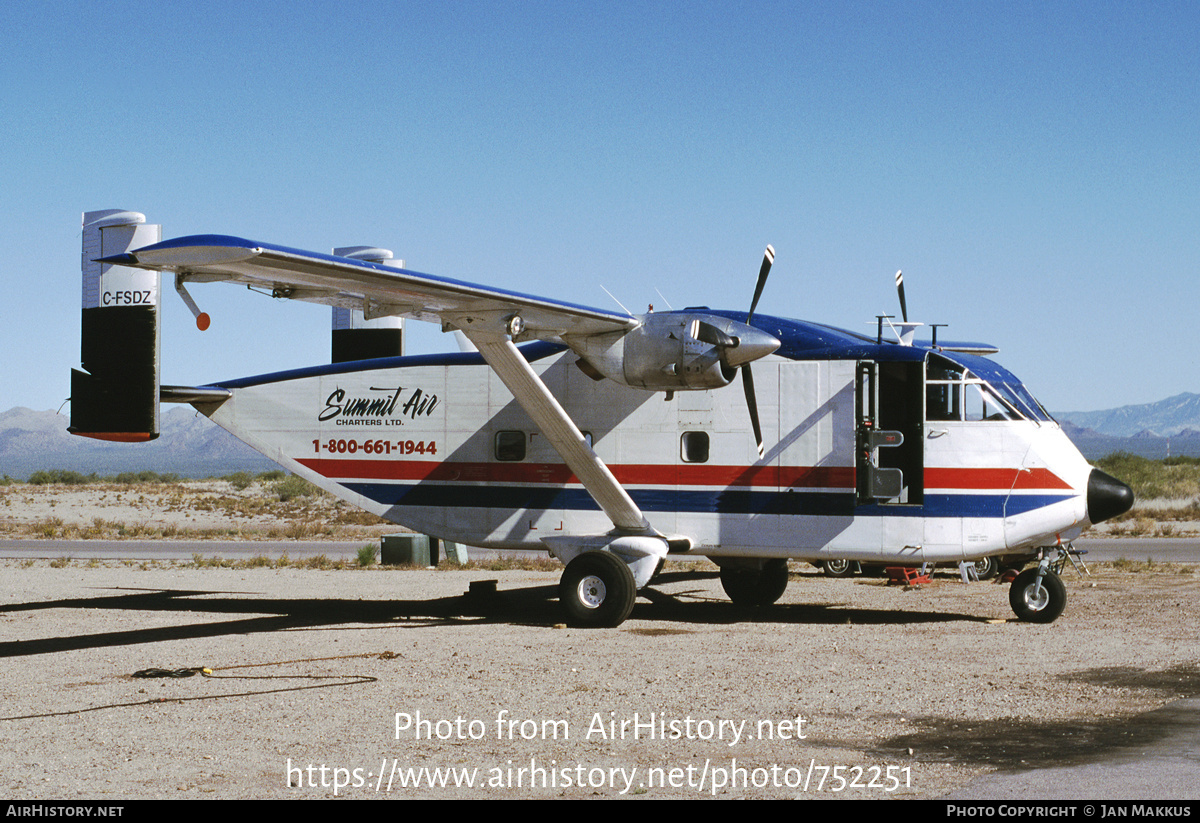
{"x": 1038, "y": 595}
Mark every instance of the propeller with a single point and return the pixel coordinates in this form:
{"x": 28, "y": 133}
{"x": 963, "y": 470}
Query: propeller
{"x": 745, "y": 345}
{"x": 747, "y": 377}
{"x": 763, "y": 271}
{"x": 900, "y": 291}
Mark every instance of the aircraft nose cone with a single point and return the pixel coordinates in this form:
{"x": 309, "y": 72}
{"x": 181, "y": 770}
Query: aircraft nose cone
{"x": 1107, "y": 496}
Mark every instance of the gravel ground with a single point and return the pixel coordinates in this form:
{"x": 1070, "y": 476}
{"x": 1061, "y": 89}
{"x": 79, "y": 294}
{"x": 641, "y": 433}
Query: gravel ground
{"x": 914, "y": 693}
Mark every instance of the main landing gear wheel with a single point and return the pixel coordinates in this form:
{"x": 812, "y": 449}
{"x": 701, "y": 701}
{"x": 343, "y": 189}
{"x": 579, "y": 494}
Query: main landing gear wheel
{"x": 987, "y": 567}
{"x": 597, "y": 590}
{"x": 755, "y": 587}
{"x": 1035, "y": 606}
{"x": 839, "y": 567}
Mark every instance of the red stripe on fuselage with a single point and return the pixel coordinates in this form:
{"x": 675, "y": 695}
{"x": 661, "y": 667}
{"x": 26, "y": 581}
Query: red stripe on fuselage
{"x": 648, "y": 474}
{"x": 993, "y": 479}
{"x": 558, "y": 474}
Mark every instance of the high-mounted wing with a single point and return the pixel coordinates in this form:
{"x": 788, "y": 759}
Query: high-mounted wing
{"x": 488, "y": 316}
{"x": 375, "y": 289}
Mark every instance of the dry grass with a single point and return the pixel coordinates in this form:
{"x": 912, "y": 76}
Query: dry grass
{"x": 265, "y": 508}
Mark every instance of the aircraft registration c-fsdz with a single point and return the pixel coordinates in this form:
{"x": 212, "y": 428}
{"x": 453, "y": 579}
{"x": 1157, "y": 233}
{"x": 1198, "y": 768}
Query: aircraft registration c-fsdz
{"x": 612, "y": 440}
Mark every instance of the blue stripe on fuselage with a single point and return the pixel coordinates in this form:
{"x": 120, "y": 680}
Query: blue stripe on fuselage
{"x": 724, "y": 501}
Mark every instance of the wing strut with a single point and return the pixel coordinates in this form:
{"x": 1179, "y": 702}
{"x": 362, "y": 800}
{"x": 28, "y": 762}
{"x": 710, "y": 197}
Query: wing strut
{"x": 557, "y": 426}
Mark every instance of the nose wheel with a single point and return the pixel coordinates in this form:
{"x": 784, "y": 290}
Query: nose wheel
{"x": 1037, "y": 596}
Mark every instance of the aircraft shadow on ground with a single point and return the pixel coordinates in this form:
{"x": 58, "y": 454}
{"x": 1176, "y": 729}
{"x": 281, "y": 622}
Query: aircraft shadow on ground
{"x": 531, "y": 605}
{"x": 1023, "y": 744}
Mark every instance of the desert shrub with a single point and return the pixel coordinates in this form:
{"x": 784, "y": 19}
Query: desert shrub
{"x": 293, "y": 486}
{"x": 239, "y": 480}
{"x": 1175, "y": 477}
{"x": 131, "y": 478}
{"x": 45, "y": 477}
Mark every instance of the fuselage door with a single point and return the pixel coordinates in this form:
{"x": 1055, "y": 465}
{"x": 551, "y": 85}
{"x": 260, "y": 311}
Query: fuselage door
{"x": 890, "y": 405}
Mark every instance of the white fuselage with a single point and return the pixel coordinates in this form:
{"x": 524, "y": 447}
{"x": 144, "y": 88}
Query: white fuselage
{"x": 441, "y": 447}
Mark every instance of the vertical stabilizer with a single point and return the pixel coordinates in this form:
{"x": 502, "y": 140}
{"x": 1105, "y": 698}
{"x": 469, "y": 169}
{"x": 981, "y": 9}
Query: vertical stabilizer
{"x": 115, "y": 396}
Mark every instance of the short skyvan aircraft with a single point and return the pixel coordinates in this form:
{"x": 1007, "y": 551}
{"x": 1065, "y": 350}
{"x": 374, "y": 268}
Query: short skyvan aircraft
{"x": 610, "y": 440}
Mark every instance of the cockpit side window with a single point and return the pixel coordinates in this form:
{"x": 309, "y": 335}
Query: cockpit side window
{"x": 943, "y": 389}
{"x": 982, "y": 404}
{"x": 953, "y": 393}
{"x": 943, "y": 401}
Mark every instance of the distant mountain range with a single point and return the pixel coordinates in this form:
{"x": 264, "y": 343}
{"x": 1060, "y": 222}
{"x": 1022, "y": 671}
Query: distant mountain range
{"x": 1164, "y": 418}
{"x": 1157, "y": 430}
{"x": 193, "y": 446}
{"x": 189, "y": 444}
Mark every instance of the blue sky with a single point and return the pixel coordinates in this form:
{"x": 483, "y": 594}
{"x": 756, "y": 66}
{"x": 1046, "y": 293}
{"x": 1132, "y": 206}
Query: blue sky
{"x": 1032, "y": 167}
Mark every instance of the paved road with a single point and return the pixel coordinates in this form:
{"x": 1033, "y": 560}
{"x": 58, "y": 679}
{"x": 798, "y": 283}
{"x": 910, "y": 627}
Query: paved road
{"x": 1168, "y": 769}
{"x": 1174, "y": 549}
{"x": 186, "y": 549}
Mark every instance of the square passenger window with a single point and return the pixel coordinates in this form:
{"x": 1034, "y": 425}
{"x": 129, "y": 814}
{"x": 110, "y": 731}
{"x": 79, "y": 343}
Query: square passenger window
{"x": 695, "y": 447}
{"x": 510, "y": 446}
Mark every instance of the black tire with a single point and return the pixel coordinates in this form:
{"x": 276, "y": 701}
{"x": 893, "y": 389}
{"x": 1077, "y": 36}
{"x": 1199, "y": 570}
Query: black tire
{"x": 1045, "y": 609}
{"x": 597, "y": 590}
{"x": 987, "y": 567}
{"x": 755, "y": 587}
{"x": 839, "y": 568}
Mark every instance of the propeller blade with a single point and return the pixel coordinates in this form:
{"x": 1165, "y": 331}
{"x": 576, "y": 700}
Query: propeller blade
{"x": 752, "y": 404}
{"x": 900, "y": 289}
{"x": 768, "y": 259}
{"x": 710, "y": 334}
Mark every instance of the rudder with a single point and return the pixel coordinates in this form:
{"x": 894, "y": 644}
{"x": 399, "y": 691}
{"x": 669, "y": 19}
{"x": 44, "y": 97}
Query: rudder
{"x": 115, "y": 397}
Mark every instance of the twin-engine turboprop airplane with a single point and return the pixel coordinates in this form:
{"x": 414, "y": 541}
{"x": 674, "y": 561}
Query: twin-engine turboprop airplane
{"x": 611, "y": 440}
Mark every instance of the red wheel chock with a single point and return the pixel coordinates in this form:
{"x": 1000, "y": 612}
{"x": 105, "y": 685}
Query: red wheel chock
{"x": 905, "y": 576}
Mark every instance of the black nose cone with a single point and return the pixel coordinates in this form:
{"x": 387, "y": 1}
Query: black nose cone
{"x": 1107, "y": 497}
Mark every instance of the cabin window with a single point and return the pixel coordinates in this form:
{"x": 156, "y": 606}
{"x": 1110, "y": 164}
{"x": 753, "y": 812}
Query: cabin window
{"x": 510, "y": 446}
{"x": 694, "y": 447}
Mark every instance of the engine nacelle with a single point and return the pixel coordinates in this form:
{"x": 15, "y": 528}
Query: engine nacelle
{"x": 674, "y": 351}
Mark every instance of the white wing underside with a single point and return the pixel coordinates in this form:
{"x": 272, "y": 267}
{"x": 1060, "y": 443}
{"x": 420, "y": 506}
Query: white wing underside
{"x": 375, "y": 289}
